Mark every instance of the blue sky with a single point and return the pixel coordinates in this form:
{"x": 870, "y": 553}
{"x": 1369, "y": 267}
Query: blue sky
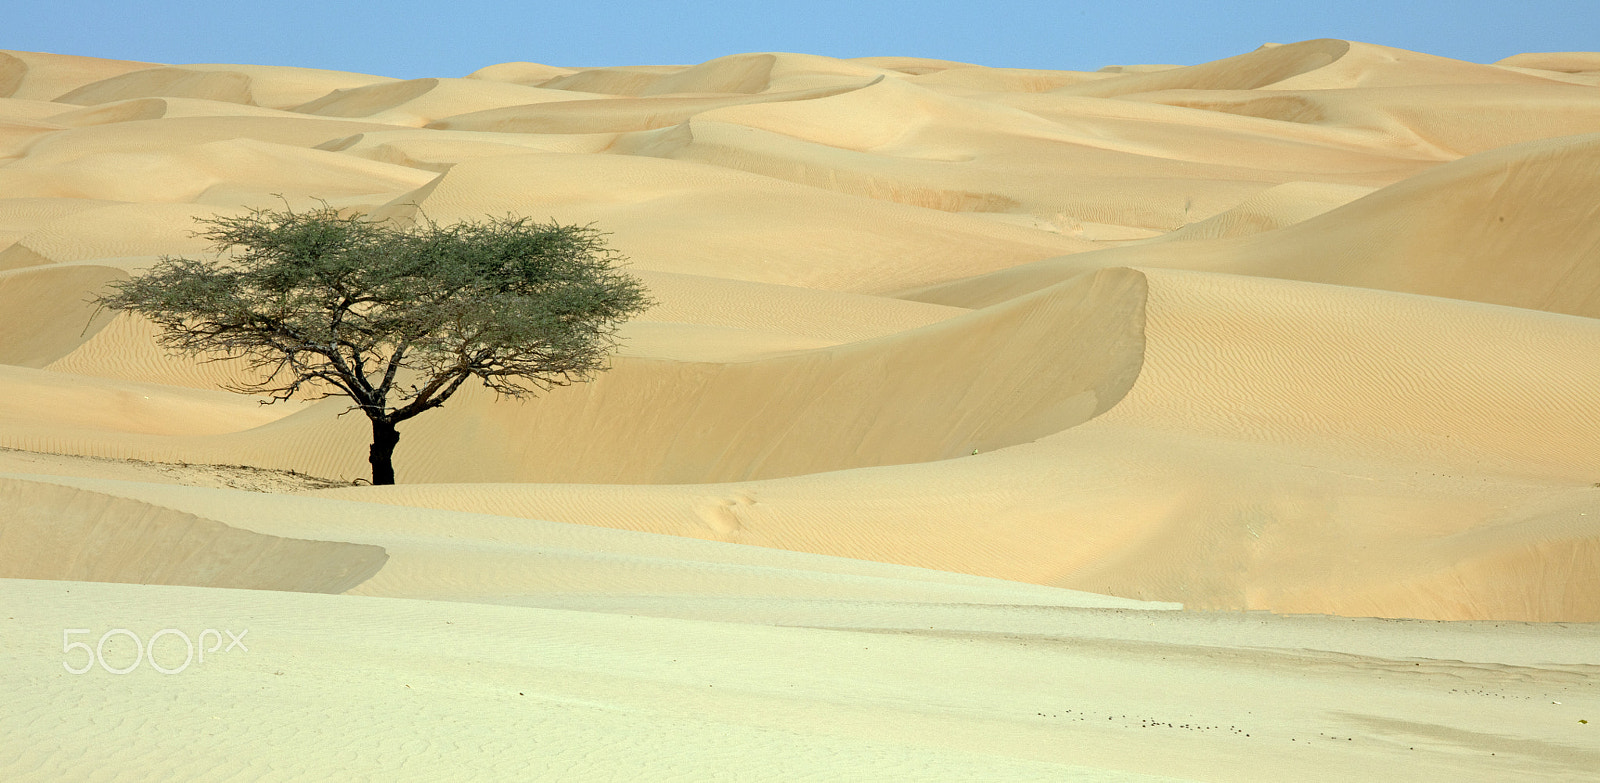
{"x": 454, "y": 37}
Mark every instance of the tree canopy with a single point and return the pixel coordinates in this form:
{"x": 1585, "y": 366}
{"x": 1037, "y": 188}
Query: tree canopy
{"x": 394, "y": 316}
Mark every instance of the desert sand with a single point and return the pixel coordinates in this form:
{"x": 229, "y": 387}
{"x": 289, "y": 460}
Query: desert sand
{"x": 1235, "y": 421}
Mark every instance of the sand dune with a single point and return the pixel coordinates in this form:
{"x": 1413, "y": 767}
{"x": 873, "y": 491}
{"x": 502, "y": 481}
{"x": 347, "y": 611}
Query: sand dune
{"x": 45, "y": 305}
{"x": 1293, "y": 439}
{"x": 44, "y": 77}
{"x": 975, "y": 406}
{"x": 1444, "y": 120}
{"x": 192, "y": 175}
{"x": 174, "y": 134}
{"x": 613, "y": 116}
{"x": 972, "y": 79}
{"x": 1312, "y": 369}
{"x": 1512, "y": 226}
{"x": 746, "y": 74}
{"x": 268, "y": 86}
{"x": 687, "y": 211}
{"x": 20, "y": 216}
{"x": 225, "y": 86}
{"x": 440, "y": 151}
{"x": 1273, "y": 208}
{"x": 1560, "y": 62}
{"x": 99, "y": 229}
{"x": 418, "y": 102}
{"x": 523, "y": 73}
{"x": 478, "y": 558}
{"x": 901, "y": 142}
{"x": 20, "y": 132}
{"x": 1322, "y": 365}
{"x": 48, "y": 404}
{"x": 55, "y": 532}
{"x": 893, "y": 399}
{"x": 1323, "y": 64}
{"x": 134, "y": 109}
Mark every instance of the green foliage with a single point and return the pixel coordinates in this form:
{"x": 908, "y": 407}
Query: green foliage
{"x": 394, "y": 317}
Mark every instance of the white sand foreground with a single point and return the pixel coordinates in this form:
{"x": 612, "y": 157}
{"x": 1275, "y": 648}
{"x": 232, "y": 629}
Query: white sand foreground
{"x": 493, "y": 647}
{"x": 781, "y": 689}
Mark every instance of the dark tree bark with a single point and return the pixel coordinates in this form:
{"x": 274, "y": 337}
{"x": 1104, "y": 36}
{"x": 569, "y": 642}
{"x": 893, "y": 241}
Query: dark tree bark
{"x": 384, "y": 438}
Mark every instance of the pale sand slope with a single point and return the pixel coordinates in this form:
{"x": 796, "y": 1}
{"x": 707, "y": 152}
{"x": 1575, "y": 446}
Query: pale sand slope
{"x": 639, "y": 655}
{"x": 407, "y": 689}
{"x": 1310, "y": 329}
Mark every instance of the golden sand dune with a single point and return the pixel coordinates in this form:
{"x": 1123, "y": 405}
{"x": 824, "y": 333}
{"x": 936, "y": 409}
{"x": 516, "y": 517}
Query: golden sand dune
{"x": 959, "y": 383}
{"x": 134, "y": 109}
{"x": 612, "y": 116}
{"x": 1323, "y": 64}
{"x": 1572, "y": 67}
{"x": 1023, "y": 159}
{"x": 492, "y": 559}
{"x": 688, "y": 211}
{"x": 48, "y": 315}
{"x": 20, "y": 131}
{"x": 442, "y": 150}
{"x": 225, "y": 86}
{"x": 89, "y": 230}
{"x": 982, "y": 381}
{"x": 1277, "y": 428}
{"x": 44, "y": 77}
{"x": 524, "y": 73}
{"x": 56, "y": 532}
{"x": 197, "y": 174}
{"x": 1445, "y": 121}
{"x": 268, "y": 86}
{"x": 893, "y": 399}
{"x": 48, "y": 404}
{"x": 417, "y": 102}
{"x": 20, "y": 216}
{"x": 170, "y": 136}
{"x": 1368, "y": 372}
{"x": 1561, "y": 62}
{"x": 1273, "y": 208}
{"x": 1238, "y": 370}
{"x": 744, "y": 74}
{"x": 1512, "y": 226}
{"x": 969, "y": 79}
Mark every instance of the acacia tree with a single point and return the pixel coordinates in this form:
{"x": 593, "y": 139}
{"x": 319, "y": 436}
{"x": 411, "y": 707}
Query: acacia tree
{"x": 394, "y": 317}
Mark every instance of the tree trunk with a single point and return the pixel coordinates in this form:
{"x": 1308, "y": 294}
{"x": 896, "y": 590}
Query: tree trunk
{"x": 384, "y": 438}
